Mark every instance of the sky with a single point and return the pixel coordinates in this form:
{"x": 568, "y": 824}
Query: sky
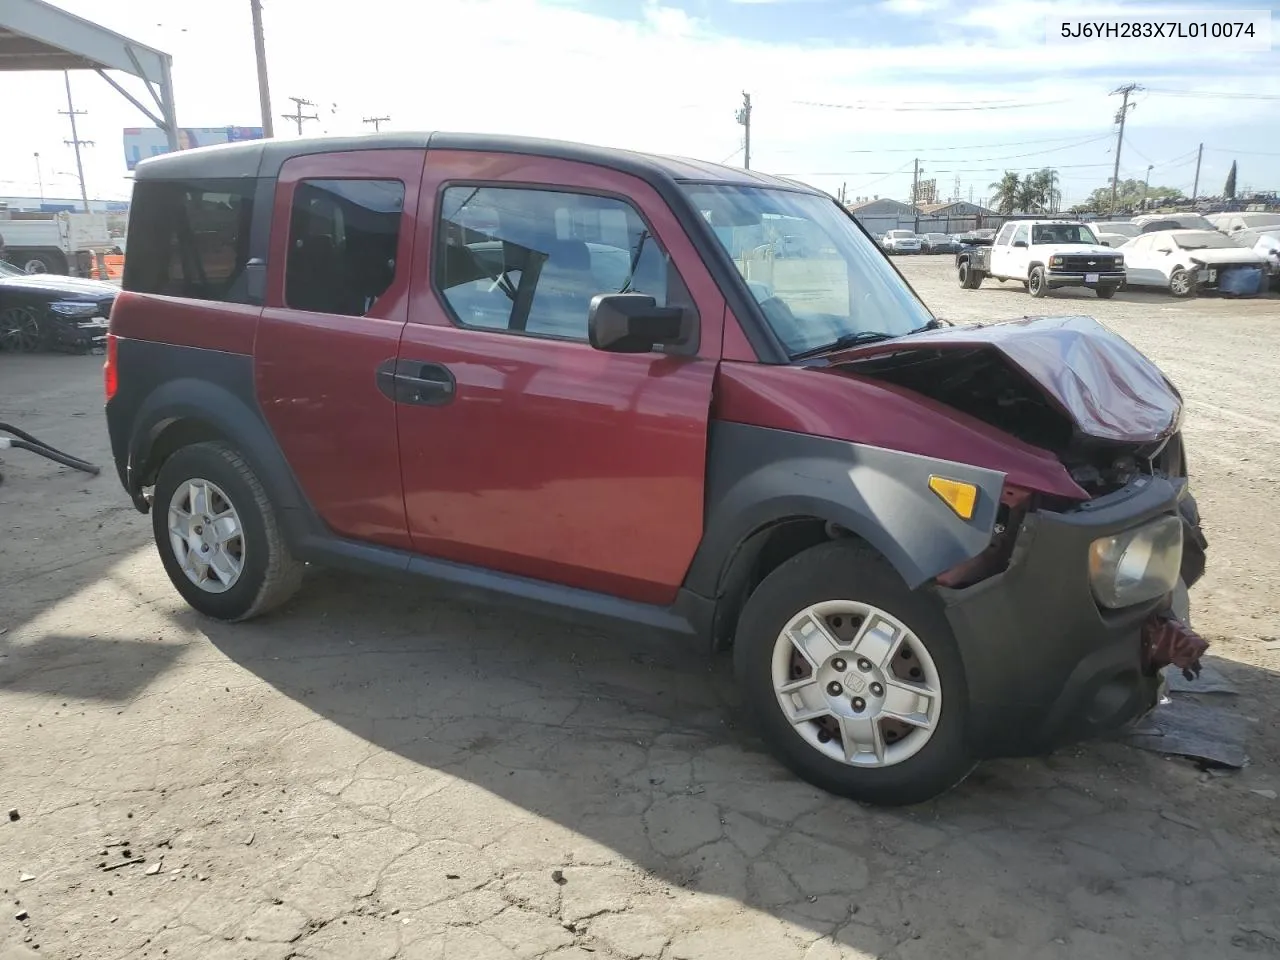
{"x": 845, "y": 92}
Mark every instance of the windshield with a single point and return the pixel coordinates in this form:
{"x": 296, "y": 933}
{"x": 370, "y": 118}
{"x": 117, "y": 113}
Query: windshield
{"x": 1062, "y": 233}
{"x": 1120, "y": 228}
{"x": 1204, "y": 239}
{"x": 902, "y": 234}
{"x": 837, "y": 286}
{"x": 9, "y": 270}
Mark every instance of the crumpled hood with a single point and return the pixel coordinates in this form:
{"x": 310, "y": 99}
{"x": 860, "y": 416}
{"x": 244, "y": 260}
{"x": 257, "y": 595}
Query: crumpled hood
{"x": 77, "y": 287}
{"x": 1097, "y": 379}
{"x": 1221, "y": 255}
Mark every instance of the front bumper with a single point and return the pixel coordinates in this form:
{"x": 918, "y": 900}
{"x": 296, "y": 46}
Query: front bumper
{"x": 1109, "y": 279}
{"x": 1045, "y": 665}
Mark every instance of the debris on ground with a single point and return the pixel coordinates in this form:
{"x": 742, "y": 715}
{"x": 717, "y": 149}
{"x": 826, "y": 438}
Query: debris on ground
{"x": 1265, "y": 794}
{"x": 108, "y": 867}
{"x": 152, "y": 870}
{"x": 1179, "y": 819}
{"x": 558, "y": 877}
{"x": 27, "y": 877}
{"x": 21, "y": 915}
{"x": 14, "y": 815}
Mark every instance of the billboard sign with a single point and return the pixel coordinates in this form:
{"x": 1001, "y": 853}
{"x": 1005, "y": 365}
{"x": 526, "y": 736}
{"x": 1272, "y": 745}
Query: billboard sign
{"x": 143, "y": 142}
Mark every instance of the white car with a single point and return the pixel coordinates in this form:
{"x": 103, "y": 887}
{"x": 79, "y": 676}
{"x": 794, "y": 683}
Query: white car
{"x": 1113, "y": 233}
{"x": 1185, "y": 261}
{"x": 1157, "y": 222}
{"x": 1232, "y": 223}
{"x": 901, "y": 241}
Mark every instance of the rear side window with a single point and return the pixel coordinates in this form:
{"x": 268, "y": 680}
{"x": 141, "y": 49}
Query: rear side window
{"x": 190, "y": 238}
{"x": 530, "y": 261}
{"x": 343, "y": 236}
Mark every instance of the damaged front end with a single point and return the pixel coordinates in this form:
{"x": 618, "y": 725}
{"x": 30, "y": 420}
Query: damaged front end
{"x": 1072, "y": 388}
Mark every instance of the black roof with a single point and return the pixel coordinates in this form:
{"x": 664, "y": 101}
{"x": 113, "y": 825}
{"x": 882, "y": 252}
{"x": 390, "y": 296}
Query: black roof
{"x": 263, "y": 158}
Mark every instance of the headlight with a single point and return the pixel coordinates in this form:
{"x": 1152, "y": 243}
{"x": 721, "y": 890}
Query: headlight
{"x": 1055, "y": 261}
{"x": 1136, "y": 565}
{"x": 1119, "y": 260}
{"x": 73, "y": 308}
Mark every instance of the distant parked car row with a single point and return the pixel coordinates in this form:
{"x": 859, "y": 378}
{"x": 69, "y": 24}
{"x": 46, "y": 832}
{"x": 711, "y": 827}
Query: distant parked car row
{"x": 1045, "y": 255}
{"x": 908, "y": 241}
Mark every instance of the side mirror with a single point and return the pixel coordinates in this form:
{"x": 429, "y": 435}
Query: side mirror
{"x": 632, "y": 323}
{"x": 1020, "y": 243}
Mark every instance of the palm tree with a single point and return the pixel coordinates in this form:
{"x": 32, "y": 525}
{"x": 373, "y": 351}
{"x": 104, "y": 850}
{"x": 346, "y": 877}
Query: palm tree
{"x": 1005, "y": 197}
{"x": 1048, "y": 194}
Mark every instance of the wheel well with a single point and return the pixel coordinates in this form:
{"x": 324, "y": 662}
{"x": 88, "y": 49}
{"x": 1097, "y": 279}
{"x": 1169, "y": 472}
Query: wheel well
{"x": 171, "y": 437}
{"x": 758, "y": 556}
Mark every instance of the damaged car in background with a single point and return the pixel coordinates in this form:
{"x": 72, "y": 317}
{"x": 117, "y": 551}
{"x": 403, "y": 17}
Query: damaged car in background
{"x": 1186, "y": 262}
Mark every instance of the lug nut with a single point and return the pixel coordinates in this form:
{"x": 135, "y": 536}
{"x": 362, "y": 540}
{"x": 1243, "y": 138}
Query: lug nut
{"x": 834, "y": 689}
{"x": 877, "y": 690}
{"x": 838, "y": 665}
{"x": 864, "y": 665}
{"x": 859, "y": 704}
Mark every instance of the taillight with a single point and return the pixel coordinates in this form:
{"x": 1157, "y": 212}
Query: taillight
{"x": 110, "y": 371}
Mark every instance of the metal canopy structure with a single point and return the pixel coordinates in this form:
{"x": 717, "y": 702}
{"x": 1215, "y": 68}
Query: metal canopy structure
{"x": 37, "y": 36}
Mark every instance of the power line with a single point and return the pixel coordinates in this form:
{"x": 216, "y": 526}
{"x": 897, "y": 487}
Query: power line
{"x": 930, "y": 109}
{"x": 923, "y": 150}
{"x": 736, "y": 150}
{"x": 1247, "y": 153}
{"x": 1213, "y": 94}
{"x": 377, "y": 122}
{"x": 889, "y": 173}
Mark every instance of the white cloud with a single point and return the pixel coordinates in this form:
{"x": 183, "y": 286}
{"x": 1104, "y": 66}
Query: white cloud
{"x": 665, "y": 81}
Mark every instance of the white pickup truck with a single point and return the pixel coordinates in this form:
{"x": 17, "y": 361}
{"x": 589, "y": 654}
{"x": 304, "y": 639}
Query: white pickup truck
{"x": 64, "y": 243}
{"x": 1044, "y": 255}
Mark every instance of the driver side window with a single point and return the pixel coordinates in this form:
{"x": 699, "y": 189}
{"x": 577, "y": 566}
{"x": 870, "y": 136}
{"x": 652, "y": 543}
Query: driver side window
{"x": 1021, "y": 234}
{"x": 1005, "y": 235}
{"x": 530, "y": 261}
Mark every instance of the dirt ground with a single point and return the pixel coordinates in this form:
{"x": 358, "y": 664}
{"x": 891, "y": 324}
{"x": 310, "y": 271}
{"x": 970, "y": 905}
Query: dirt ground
{"x": 378, "y": 772}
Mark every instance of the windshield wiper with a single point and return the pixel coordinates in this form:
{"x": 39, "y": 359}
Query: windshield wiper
{"x": 933, "y": 324}
{"x": 847, "y": 340}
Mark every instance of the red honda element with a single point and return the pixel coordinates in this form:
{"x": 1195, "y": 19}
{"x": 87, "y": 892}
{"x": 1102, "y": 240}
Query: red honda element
{"x": 662, "y": 391}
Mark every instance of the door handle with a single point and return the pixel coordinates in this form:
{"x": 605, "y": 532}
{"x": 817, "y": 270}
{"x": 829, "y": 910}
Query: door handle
{"x": 417, "y": 382}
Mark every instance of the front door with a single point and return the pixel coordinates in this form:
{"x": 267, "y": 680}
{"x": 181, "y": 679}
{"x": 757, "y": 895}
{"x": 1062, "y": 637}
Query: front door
{"x": 524, "y": 449}
{"x": 1000, "y": 250}
{"x": 336, "y": 301}
{"x": 1020, "y": 256}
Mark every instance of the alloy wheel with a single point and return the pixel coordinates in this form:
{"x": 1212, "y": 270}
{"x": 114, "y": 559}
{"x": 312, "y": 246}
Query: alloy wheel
{"x": 856, "y": 683}
{"x": 19, "y": 330}
{"x": 206, "y": 535}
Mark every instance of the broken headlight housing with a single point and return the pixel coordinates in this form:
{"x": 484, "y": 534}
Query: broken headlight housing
{"x": 1136, "y": 565}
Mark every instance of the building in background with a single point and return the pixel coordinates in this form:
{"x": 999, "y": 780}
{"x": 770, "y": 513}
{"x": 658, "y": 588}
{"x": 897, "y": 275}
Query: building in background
{"x": 143, "y": 142}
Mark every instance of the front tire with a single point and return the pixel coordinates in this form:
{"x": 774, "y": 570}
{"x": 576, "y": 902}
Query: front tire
{"x": 1037, "y": 285}
{"x": 855, "y": 682}
{"x": 218, "y": 535}
{"x": 1181, "y": 283}
{"x": 1105, "y": 293}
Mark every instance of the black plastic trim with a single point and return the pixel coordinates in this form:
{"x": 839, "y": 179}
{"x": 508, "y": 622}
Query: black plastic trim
{"x": 757, "y": 477}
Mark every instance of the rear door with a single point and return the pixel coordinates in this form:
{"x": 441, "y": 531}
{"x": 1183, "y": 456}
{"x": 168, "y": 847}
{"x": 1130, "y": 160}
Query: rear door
{"x": 336, "y": 302}
{"x": 1000, "y": 251}
{"x": 1141, "y": 264}
{"x": 538, "y": 455}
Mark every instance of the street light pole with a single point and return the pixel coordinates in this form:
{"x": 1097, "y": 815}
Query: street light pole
{"x": 260, "y": 48}
{"x": 1146, "y": 186}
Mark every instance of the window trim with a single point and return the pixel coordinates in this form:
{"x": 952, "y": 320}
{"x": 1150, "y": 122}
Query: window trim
{"x": 689, "y": 347}
{"x": 405, "y": 222}
{"x": 1002, "y": 240}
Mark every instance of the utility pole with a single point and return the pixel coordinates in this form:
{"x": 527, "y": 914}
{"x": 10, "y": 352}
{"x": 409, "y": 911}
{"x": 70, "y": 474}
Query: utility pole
{"x": 377, "y": 122}
{"x": 1146, "y": 186}
{"x": 298, "y": 116}
{"x": 75, "y": 140}
{"x": 1195, "y": 191}
{"x": 915, "y": 194}
{"x": 39, "y": 176}
{"x": 260, "y": 48}
{"x": 1127, "y": 89}
{"x": 743, "y": 116}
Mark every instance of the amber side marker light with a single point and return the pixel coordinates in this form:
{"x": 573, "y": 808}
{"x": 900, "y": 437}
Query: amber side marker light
{"x": 959, "y": 496}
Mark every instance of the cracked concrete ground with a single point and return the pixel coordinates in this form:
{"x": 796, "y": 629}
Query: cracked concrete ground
{"x": 379, "y": 772}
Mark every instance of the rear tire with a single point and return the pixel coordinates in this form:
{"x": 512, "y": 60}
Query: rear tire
{"x": 1037, "y": 285}
{"x": 861, "y": 588}
{"x": 263, "y": 573}
{"x": 970, "y": 279}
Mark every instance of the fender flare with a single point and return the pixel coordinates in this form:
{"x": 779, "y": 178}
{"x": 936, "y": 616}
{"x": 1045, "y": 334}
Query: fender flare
{"x": 214, "y": 406}
{"x": 758, "y": 477}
